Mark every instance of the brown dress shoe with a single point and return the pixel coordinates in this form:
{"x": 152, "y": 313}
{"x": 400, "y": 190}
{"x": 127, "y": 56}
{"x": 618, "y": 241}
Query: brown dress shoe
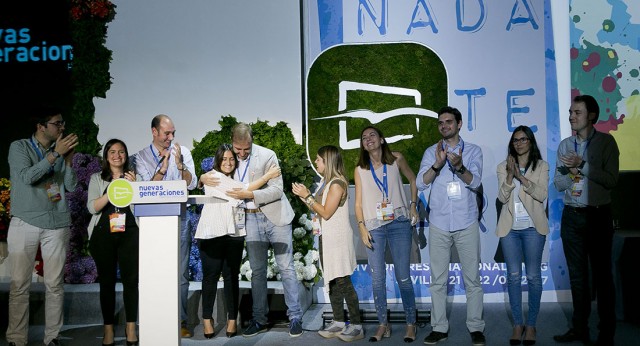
{"x": 184, "y": 332}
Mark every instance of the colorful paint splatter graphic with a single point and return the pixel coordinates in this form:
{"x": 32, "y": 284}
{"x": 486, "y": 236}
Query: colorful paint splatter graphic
{"x": 605, "y": 62}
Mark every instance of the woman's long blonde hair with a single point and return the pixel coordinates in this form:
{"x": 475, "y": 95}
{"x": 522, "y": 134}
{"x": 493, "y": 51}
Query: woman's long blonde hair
{"x": 333, "y": 164}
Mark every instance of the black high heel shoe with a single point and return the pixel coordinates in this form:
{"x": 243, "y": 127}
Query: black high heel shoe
{"x": 529, "y": 341}
{"x": 231, "y": 334}
{"x": 519, "y": 332}
{"x": 210, "y": 335}
{"x": 130, "y": 343}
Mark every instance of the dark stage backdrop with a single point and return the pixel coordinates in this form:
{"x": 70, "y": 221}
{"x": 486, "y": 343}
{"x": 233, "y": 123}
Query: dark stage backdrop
{"x": 35, "y": 65}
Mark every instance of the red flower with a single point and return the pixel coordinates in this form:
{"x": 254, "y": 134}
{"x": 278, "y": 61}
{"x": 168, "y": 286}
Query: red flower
{"x": 39, "y": 263}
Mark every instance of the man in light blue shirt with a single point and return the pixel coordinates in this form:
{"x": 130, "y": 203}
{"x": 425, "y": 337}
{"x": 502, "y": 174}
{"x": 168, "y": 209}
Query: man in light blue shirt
{"x": 451, "y": 170}
{"x": 165, "y": 160}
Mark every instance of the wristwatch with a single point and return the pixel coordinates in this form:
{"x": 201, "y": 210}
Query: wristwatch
{"x": 461, "y": 170}
{"x": 581, "y": 166}
{"x": 55, "y": 154}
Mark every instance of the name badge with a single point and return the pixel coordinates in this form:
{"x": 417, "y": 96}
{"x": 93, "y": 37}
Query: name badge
{"x": 53, "y": 191}
{"x": 238, "y": 217}
{"x": 521, "y": 213}
{"x": 577, "y": 186}
{"x": 117, "y": 222}
{"x": 454, "y": 191}
{"x": 384, "y": 211}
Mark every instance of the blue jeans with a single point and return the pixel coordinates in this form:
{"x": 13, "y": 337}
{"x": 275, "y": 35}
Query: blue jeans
{"x": 260, "y": 234}
{"x": 526, "y": 246}
{"x": 185, "y": 249}
{"x": 398, "y": 235}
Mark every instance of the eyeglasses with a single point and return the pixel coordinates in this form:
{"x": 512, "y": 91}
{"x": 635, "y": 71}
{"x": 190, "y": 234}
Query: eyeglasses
{"x": 522, "y": 140}
{"x": 58, "y": 124}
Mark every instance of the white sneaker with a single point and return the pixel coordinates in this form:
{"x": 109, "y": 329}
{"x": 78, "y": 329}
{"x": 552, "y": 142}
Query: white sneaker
{"x": 332, "y": 330}
{"x": 351, "y": 333}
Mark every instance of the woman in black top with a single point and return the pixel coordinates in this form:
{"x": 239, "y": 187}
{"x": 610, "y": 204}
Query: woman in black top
{"x": 114, "y": 242}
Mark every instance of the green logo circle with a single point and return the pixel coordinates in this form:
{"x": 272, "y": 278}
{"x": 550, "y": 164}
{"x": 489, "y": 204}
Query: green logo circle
{"x": 120, "y": 193}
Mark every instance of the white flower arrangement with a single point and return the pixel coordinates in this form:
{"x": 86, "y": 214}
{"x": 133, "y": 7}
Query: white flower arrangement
{"x": 299, "y": 268}
{"x": 299, "y": 233}
{"x": 311, "y": 257}
{"x": 306, "y": 258}
{"x": 245, "y": 270}
{"x": 309, "y": 272}
{"x": 270, "y": 272}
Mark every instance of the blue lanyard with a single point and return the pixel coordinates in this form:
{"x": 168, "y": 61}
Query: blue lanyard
{"x": 245, "y": 170}
{"x": 155, "y": 157}
{"x": 575, "y": 145}
{"x": 39, "y": 152}
{"x": 154, "y": 154}
{"x": 449, "y": 163}
{"x": 382, "y": 185}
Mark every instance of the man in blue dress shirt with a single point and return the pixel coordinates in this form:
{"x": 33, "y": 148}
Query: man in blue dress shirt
{"x": 451, "y": 170}
{"x": 165, "y": 160}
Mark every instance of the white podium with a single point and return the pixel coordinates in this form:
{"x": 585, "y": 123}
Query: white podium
{"x": 158, "y": 205}
{"x": 158, "y": 278}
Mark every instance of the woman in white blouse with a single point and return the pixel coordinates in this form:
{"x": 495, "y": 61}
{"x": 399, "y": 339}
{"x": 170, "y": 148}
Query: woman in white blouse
{"x": 221, "y": 242}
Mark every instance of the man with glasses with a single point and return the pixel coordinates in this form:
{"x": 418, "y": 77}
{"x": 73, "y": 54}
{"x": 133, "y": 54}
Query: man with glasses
{"x": 452, "y": 171}
{"x": 165, "y": 160}
{"x": 40, "y": 173}
{"x": 587, "y": 171}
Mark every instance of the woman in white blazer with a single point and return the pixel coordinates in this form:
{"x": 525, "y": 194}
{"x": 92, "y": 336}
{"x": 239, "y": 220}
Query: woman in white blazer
{"x": 523, "y": 180}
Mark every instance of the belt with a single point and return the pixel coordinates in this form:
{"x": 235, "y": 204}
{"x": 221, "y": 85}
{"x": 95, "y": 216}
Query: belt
{"x": 575, "y": 209}
{"x": 585, "y": 209}
{"x": 252, "y": 211}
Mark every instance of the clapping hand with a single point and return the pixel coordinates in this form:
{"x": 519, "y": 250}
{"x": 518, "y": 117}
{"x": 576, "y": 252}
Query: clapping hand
{"x": 300, "y": 190}
{"x": 130, "y": 176}
{"x": 511, "y": 168}
{"x": 441, "y": 155}
{"x": 66, "y": 146}
{"x": 455, "y": 159}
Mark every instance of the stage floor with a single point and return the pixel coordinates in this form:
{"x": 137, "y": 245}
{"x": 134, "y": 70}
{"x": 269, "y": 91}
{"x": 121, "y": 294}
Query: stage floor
{"x": 553, "y": 320}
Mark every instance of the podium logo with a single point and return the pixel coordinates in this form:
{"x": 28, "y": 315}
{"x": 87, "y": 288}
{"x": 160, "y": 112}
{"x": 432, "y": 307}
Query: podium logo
{"x": 120, "y": 193}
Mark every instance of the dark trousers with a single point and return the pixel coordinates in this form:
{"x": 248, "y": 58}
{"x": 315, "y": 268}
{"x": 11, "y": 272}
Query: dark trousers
{"x": 587, "y": 236}
{"x": 341, "y": 290}
{"x": 221, "y": 255}
{"x": 108, "y": 251}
